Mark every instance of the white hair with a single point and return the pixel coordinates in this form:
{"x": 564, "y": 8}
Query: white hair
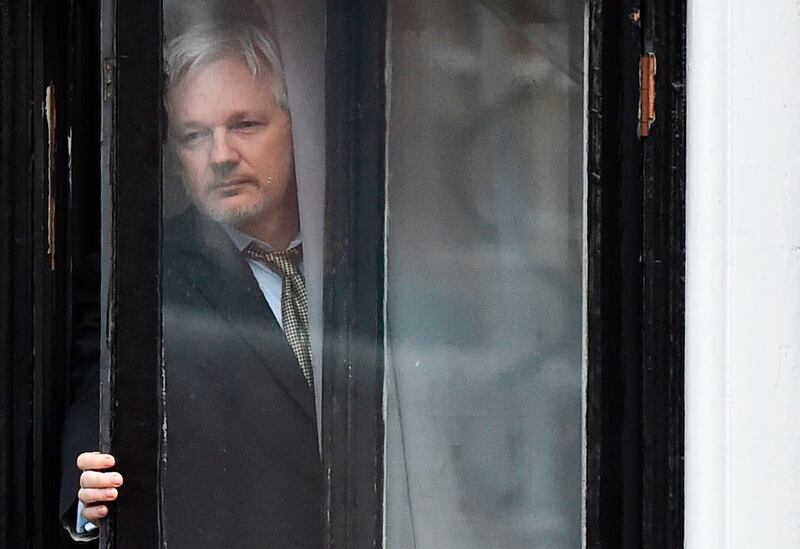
{"x": 202, "y": 44}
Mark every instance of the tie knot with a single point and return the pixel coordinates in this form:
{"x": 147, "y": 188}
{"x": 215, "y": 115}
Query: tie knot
{"x": 285, "y": 262}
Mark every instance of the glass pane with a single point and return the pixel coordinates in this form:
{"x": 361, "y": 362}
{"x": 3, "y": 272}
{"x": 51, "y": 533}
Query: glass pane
{"x": 484, "y": 302}
{"x": 242, "y": 261}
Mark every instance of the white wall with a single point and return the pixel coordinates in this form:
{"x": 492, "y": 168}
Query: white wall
{"x": 743, "y": 275}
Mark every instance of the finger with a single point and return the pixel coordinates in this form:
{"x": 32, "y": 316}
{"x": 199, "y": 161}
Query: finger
{"x": 95, "y": 479}
{"x": 95, "y": 512}
{"x": 94, "y": 460}
{"x": 96, "y": 495}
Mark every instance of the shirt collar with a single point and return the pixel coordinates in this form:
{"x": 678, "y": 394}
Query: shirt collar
{"x": 242, "y": 240}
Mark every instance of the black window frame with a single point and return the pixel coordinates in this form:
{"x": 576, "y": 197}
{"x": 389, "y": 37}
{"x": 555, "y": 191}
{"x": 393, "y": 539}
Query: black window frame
{"x": 130, "y": 255}
{"x": 353, "y": 353}
{"x": 636, "y": 269}
{"x": 636, "y": 283}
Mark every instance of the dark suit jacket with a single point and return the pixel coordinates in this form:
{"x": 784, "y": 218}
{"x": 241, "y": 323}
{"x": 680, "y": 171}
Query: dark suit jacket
{"x": 243, "y": 466}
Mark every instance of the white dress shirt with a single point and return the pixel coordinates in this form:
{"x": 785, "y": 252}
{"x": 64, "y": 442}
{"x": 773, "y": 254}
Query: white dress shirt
{"x": 268, "y": 280}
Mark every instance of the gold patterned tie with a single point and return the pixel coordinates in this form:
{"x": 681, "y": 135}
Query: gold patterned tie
{"x": 294, "y": 300}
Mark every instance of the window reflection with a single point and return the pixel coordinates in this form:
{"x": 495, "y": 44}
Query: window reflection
{"x": 483, "y": 426}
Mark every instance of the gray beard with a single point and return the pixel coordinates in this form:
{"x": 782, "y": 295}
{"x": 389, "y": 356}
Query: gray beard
{"x": 230, "y": 216}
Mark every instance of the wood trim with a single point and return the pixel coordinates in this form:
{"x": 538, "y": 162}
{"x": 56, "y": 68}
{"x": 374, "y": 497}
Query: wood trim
{"x": 664, "y": 265}
{"x": 130, "y": 415}
{"x": 352, "y": 415}
{"x": 19, "y": 183}
{"x": 636, "y": 241}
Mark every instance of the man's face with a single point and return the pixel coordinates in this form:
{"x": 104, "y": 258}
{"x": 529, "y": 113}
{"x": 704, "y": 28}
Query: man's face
{"x": 234, "y": 142}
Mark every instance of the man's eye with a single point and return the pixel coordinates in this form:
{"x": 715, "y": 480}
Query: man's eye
{"x": 191, "y": 138}
{"x": 246, "y": 125}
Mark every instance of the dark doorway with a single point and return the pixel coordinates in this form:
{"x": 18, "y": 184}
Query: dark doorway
{"x": 49, "y": 235}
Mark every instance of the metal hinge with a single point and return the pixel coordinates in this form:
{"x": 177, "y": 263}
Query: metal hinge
{"x": 108, "y": 79}
{"x": 647, "y": 88}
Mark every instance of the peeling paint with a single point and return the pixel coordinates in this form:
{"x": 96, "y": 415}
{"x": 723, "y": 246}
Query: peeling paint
{"x": 69, "y": 159}
{"x": 647, "y": 101}
{"x": 51, "y": 121}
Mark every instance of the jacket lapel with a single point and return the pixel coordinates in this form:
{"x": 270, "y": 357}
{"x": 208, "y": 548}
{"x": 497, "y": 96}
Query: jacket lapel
{"x": 216, "y": 268}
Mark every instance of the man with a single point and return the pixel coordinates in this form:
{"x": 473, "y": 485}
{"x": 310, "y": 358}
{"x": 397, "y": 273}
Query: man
{"x": 242, "y": 458}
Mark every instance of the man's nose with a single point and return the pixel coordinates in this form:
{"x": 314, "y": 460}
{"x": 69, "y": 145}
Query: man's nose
{"x": 223, "y": 153}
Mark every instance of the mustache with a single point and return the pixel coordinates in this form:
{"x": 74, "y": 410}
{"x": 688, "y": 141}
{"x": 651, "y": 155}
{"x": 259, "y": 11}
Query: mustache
{"x": 221, "y": 182}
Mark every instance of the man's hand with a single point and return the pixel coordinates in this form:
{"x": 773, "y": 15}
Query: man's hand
{"x": 97, "y": 487}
